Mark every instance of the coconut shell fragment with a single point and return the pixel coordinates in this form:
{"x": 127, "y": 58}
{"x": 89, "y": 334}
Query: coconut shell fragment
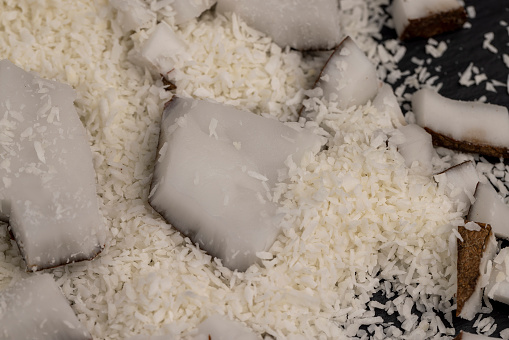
{"x": 478, "y": 245}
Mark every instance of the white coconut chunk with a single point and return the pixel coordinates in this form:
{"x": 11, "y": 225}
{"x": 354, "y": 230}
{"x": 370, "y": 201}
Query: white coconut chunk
{"x": 416, "y": 147}
{"x": 35, "y": 309}
{"x": 490, "y": 208}
{"x": 51, "y": 200}
{"x": 470, "y": 336}
{"x": 300, "y": 24}
{"x": 477, "y": 248}
{"x": 469, "y": 126}
{"x": 231, "y": 232}
{"x": 133, "y": 15}
{"x": 386, "y": 101}
{"x": 438, "y": 15}
{"x": 498, "y": 287}
{"x": 162, "y": 49}
{"x": 218, "y": 327}
{"x": 348, "y": 78}
{"x": 459, "y": 183}
{"x": 186, "y": 10}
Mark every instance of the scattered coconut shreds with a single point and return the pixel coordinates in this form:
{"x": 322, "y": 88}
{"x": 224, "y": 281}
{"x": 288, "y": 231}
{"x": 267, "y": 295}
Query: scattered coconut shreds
{"x": 355, "y": 220}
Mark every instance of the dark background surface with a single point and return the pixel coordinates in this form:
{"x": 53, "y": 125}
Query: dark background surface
{"x": 465, "y": 47}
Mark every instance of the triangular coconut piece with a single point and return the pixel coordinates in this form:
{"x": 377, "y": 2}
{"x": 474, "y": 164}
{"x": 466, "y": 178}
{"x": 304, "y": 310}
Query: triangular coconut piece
{"x": 34, "y": 308}
{"x": 490, "y": 208}
{"x": 470, "y": 336}
{"x": 477, "y": 246}
{"x": 418, "y": 18}
{"x": 215, "y": 172}
{"x": 459, "y": 183}
{"x": 348, "y": 78}
{"x": 464, "y": 126}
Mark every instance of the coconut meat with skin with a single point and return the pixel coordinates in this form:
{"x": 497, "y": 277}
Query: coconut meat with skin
{"x": 459, "y": 183}
{"x": 34, "y": 309}
{"x": 299, "y": 24}
{"x": 473, "y": 122}
{"x": 498, "y": 286}
{"x": 405, "y": 10}
{"x": 47, "y": 186}
{"x": 215, "y": 172}
{"x": 490, "y": 208}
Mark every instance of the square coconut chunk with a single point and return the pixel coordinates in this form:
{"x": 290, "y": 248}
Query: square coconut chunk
{"x": 47, "y": 191}
{"x": 416, "y": 147}
{"x": 215, "y": 172}
{"x": 418, "y": 18}
{"x": 35, "y": 309}
{"x": 186, "y": 10}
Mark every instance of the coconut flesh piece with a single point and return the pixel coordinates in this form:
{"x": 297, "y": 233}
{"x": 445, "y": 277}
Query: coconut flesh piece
{"x": 477, "y": 247}
{"x": 220, "y": 328}
{"x": 299, "y": 24}
{"x": 35, "y": 309}
{"x": 214, "y": 174}
{"x": 416, "y": 147}
{"x": 469, "y": 336}
{"x": 386, "y": 101}
{"x": 186, "y": 10}
{"x": 47, "y": 187}
{"x": 348, "y": 78}
{"x": 490, "y": 208}
{"x": 133, "y": 15}
{"x": 465, "y": 126}
{"x": 417, "y": 18}
{"x": 498, "y": 287}
{"x": 459, "y": 183}
{"x": 160, "y": 51}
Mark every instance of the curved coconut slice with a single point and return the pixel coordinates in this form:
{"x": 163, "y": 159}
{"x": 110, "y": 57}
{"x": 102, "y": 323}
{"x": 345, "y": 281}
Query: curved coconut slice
{"x": 35, "y": 309}
{"x": 477, "y": 247}
{"x": 417, "y": 18}
{"x": 498, "y": 287}
{"x": 465, "y": 126}
{"x": 186, "y": 10}
{"x": 459, "y": 183}
{"x": 490, "y": 208}
{"x": 469, "y": 336}
{"x": 214, "y": 174}
{"x": 416, "y": 147}
{"x": 47, "y": 172}
{"x": 348, "y": 78}
{"x": 300, "y": 24}
{"x": 220, "y": 328}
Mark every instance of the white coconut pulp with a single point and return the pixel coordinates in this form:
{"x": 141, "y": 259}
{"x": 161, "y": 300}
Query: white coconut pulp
{"x": 474, "y": 122}
{"x": 300, "y": 24}
{"x": 216, "y": 169}
{"x": 489, "y": 208}
{"x": 48, "y": 190}
{"x": 35, "y": 309}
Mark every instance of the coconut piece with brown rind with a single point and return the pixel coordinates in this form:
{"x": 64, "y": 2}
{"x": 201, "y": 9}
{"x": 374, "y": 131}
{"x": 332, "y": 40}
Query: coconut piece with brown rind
{"x": 35, "y": 309}
{"x": 464, "y": 126}
{"x": 469, "y": 336}
{"x": 417, "y": 18}
{"x": 477, "y": 246}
